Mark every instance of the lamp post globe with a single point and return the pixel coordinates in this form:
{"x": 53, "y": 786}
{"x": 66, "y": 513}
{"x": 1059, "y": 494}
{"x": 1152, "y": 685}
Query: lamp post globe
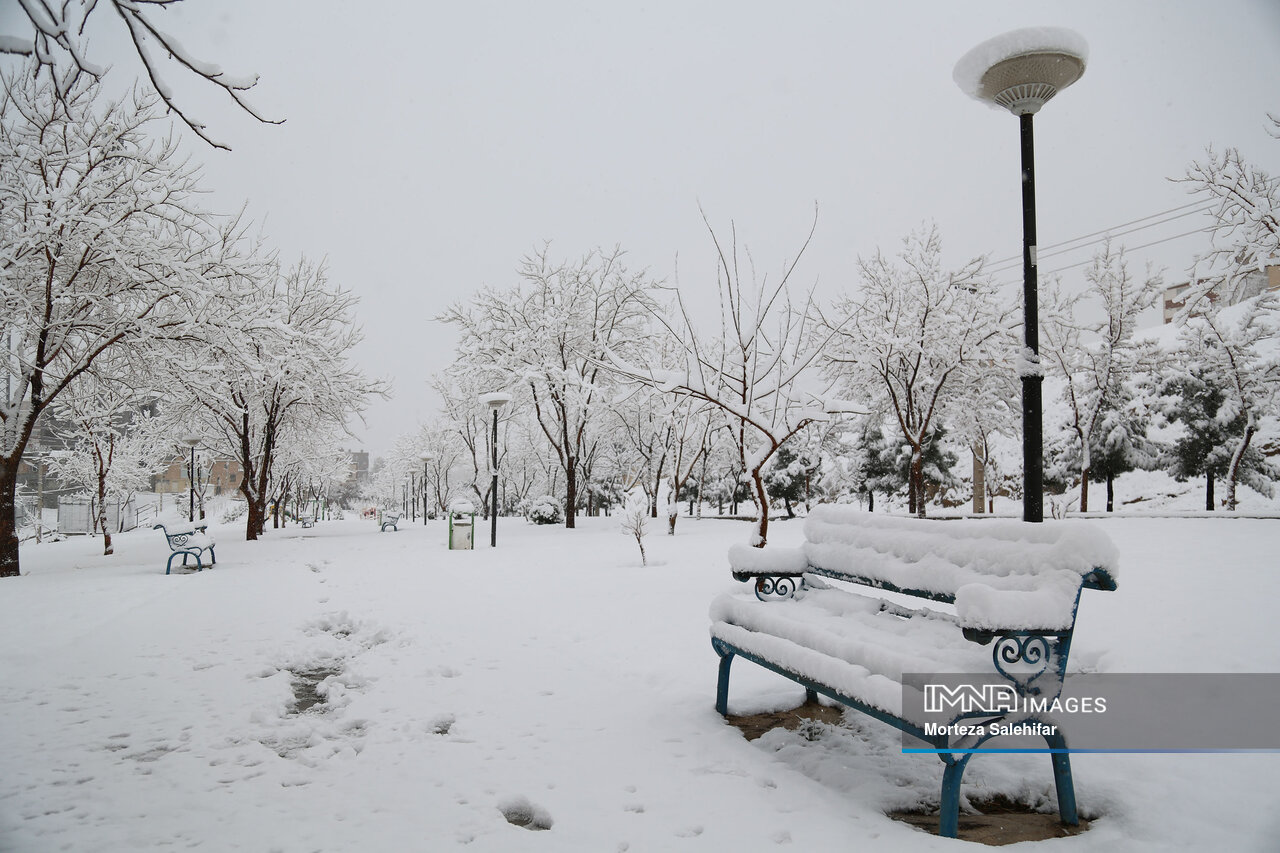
{"x": 495, "y": 400}
{"x": 1020, "y": 71}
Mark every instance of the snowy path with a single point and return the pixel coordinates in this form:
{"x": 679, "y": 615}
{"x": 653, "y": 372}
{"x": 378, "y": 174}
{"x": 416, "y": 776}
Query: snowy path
{"x": 552, "y": 678}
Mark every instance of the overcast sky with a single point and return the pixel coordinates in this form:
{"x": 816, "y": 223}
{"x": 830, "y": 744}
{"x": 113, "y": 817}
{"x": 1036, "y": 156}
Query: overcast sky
{"x": 428, "y": 146}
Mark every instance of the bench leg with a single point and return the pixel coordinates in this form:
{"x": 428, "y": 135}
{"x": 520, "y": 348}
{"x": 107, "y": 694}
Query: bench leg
{"x": 810, "y": 696}
{"x": 949, "y": 810}
{"x": 722, "y": 684}
{"x": 1062, "y": 780}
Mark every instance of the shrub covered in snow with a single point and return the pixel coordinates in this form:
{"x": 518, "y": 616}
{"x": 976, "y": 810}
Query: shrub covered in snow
{"x": 233, "y": 510}
{"x": 545, "y": 510}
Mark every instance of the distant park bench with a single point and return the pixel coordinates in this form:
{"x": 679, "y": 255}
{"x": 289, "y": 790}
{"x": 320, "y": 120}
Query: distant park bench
{"x": 1015, "y": 583}
{"x": 306, "y": 521}
{"x": 390, "y": 519}
{"x": 188, "y": 541}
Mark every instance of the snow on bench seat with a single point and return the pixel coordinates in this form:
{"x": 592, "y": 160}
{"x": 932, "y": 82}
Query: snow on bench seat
{"x": 846, "y": 641}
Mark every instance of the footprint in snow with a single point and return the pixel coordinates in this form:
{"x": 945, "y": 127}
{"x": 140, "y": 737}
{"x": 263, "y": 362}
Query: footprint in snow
{"x": 520, "y": 812}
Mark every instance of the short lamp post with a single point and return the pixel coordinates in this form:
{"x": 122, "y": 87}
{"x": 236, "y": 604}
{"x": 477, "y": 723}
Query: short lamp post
{"x": 1020, "y": 71}
{"x": 426, "y": 456}
{"x": 495, "y": 400}
{"x": 191, "y": 441}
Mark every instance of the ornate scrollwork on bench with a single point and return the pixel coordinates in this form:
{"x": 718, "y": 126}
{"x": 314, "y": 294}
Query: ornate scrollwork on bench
{"x": 1031, "y": 650}
{"x": 777, "y": 587}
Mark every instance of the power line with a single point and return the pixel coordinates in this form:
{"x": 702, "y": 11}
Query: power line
{"x": 1045, "y": 251}
{"x": 1201, "y": 205}
{"x": 1204, "y": 230}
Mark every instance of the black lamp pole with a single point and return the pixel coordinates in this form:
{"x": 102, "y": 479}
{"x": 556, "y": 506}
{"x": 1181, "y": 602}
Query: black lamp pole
{"x": 1032, "y": 378}
{"x": 1020, "y": 71}
{"x": 191, "y": 477}
{"x": 493, "y": 517}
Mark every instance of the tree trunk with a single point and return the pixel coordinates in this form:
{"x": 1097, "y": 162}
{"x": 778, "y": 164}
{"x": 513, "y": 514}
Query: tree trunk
{"x": 762, "y": 500}
{"x": 1233, "y": 470}
{"x": 257, "y": 521}
{"x": 571, "y": 493}
{"x": 1084, "y": 490}
{"x": 1208, "y": 491}
{"x": 871, "y": 501}
{"x": 917, "y": 480}
{"x": 9, "y": 516}
{"x": 979, "y": 484}
{"x": 1111, "y": 491}
{"x": 107, "y": 549}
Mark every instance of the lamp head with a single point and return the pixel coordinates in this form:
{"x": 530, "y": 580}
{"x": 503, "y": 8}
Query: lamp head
{"x": 1023, "y": 69}
{"x": 496, "y": 399}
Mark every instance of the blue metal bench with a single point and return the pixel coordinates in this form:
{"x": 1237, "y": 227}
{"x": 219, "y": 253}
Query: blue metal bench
{"x": 390, "y": 519}
{"x": 188, "y": 541}
{"x": 1013, "y": 583}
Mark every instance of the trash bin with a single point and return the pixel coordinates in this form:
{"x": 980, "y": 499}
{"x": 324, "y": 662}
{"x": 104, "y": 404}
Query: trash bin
{"x": 462, "y": 526}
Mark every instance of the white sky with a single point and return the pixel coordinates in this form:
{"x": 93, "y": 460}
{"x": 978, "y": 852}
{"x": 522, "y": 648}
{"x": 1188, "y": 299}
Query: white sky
{"x": 428, "y": 146}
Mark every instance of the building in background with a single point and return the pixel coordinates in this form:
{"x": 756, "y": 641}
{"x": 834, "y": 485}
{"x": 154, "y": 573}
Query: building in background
{"x": 1175, "y": 296}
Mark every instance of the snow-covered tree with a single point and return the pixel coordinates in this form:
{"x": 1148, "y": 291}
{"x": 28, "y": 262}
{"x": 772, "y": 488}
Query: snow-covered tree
{"x": 1098, "y": 361}
{"x": 1245, "y": 233}
{"x": 1205, "y": 445}
{"x": 790, "y": 476}
{"x": 634, "y": 519}
{"x": 58, "y": 43}
{"x": 101, "y": 248}
{"x": 668, "y": 433}
{"x": 113, "y": 447}
{"x": 914, "y": 333}
{"x": 762, "y": 371}
{"x": 550, "y": 334}
{"x": 278, "y": 372}
{"x": 1234, "y": 350}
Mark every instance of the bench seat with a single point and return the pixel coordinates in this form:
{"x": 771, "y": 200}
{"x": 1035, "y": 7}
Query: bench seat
{"x": 858, "y": 645}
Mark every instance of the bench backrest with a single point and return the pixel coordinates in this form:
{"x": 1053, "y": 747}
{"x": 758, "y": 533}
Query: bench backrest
{"x": 187, "y": 534}
{"x": 999, "y": 574}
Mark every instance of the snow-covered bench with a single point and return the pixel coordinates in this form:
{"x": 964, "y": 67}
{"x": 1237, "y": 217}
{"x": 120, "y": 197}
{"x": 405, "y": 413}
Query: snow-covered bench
{"x": 389, "y": 519}
{"x": 306, "y": 521}
{"x": 1015, "y": 583}
{"x": 189, "y": 541}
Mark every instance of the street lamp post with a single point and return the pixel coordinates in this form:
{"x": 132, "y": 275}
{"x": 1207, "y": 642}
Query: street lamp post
{"x": 426, "y": 456}
{"x": 495, "y": 400}
{"x": 191, "y": 441}
{"x": 1020, "y": 71}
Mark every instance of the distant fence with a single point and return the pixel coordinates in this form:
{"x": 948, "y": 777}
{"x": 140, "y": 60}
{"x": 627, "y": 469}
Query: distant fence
{"x": 76, "y": 515}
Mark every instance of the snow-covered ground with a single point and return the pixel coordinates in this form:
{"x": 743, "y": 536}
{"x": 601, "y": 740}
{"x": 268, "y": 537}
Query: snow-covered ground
{"x": 553, "y": 677}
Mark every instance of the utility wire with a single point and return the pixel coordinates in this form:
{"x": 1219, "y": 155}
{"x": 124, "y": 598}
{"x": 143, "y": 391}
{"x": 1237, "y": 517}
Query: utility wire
{"x": 1201, "y": 205}
{"x": 1204, "y": 230}
{"x": 1047, "y": 251}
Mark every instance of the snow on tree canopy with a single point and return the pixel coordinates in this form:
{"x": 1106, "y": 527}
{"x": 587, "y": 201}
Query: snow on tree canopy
{"x": 971, "y": 68}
